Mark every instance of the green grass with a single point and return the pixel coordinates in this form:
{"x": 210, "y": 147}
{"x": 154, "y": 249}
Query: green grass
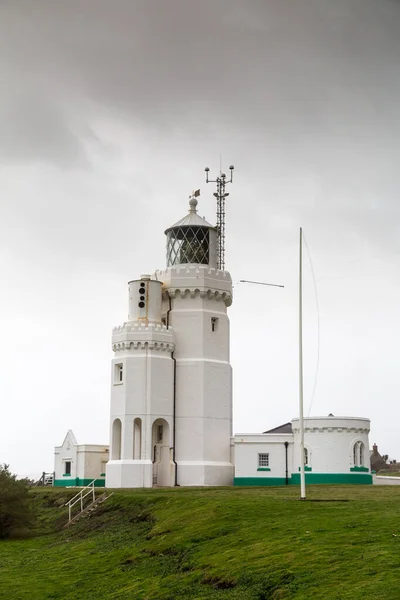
{"x": 223, "y": 543}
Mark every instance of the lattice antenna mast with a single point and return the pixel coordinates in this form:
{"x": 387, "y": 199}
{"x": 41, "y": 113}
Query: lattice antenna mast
{"x": 220, "y": 195}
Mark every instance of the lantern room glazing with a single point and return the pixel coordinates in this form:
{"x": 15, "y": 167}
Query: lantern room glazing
{"x": 192, "y": 240}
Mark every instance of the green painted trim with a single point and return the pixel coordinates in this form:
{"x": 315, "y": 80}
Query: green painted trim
{"x": 65, "y": 482}
{"x": 97, "y": 483}
{"x": 263, "y": 469}
{"x": 311, "y": 478}
{"x": 102, "y": 474}
{"x": 306, "y": 469}
{"x": 360, "y": 469}
{"x": 67, "y": 475}
{"x": 78, "y": 482}
{"x": 332, "y": 478}
{"x": 259, "y": 481}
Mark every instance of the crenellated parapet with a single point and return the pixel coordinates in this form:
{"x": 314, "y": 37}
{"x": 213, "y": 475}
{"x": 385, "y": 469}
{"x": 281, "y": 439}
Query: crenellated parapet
{"x": 196, "y": 269}
{"x": 142, "y": 327}
{"x": 174, "y": 292}
{"x": 332, "y": 429}
{"x": 137, "y": 336}
{"x": 201, "y": 281}
{"x": 345, "y": 425}
{"x": 143, "y": 345}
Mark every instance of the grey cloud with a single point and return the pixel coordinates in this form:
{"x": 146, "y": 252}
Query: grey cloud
{"x": 35, "y": 128}
{"x": 285, "y": 67}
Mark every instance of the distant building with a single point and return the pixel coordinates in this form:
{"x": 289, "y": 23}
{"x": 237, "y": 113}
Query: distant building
{"x": 79, "y": 464}
{"x": 378, "y": 463}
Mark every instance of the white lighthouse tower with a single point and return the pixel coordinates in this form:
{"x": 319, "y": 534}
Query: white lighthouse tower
{"x": 171, "y": 398}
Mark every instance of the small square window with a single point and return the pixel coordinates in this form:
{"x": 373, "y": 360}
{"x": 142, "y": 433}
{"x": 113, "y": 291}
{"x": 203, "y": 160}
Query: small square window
{"x": 263, "y": 460}
{"x": 118, "y": 373}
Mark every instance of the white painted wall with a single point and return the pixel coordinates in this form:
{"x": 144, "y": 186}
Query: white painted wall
{"x": 91, "y": 459}
{"x": 151, "y": 311}
{"x": 87, "y": 461}
{"x": 248, "y": 446}
{"x": 199, "y": 294}
{"x": 67, "y": 452}
{"x": 144, "y": 347}
{"x": 330, "y": 442}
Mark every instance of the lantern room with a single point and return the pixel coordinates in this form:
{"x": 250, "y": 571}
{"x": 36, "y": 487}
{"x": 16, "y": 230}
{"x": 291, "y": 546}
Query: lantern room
{"x": 192, "y": 240}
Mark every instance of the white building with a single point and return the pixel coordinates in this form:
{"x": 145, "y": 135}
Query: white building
{"x": 171, "y": 392}
{"x": 336, "y": 451}
{"x": 79, "y": 464}
{"x": 171, "y": 396}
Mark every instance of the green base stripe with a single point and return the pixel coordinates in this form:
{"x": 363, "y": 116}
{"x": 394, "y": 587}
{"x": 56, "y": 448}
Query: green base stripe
{"x": 311, "y": 478}
{"x": 329, "y": 478}
{"x": 75, "y": 481}
{"x": 262, "y": 481}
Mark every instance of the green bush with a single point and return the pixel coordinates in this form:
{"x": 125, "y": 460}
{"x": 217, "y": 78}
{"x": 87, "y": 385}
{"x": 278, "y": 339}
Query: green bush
{"x": 15, "y": 507}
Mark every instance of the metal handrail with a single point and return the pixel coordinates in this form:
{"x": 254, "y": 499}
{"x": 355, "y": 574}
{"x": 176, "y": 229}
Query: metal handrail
{"x": 80, "y": 496}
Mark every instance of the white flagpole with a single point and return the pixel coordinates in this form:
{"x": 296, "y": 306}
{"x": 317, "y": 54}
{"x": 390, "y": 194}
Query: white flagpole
{"x": 302, "y": 473}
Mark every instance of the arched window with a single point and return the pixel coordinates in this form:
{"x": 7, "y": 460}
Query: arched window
{"x": 116, "y": 440}
{"x": 137, "y": 439}
{"x": 355, "y": 454}
{"x": 358, "y": 454}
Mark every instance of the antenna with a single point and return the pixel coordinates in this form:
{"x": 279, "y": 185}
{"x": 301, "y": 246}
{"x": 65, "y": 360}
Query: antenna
{"x": 220, "y": 195}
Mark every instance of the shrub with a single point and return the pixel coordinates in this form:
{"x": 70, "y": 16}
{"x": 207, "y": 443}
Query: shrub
{"x": 15, "y": 507}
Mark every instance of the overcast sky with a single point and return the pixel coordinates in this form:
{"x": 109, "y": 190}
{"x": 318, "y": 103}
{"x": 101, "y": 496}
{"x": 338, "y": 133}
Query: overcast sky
{"x": 109, "y": 112}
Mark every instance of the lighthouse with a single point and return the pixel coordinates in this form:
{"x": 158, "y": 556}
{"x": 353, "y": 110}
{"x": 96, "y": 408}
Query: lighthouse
{"x": 171, "y": 388}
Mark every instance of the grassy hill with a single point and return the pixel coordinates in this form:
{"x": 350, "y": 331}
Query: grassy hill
{"x": 236, "y": 543}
